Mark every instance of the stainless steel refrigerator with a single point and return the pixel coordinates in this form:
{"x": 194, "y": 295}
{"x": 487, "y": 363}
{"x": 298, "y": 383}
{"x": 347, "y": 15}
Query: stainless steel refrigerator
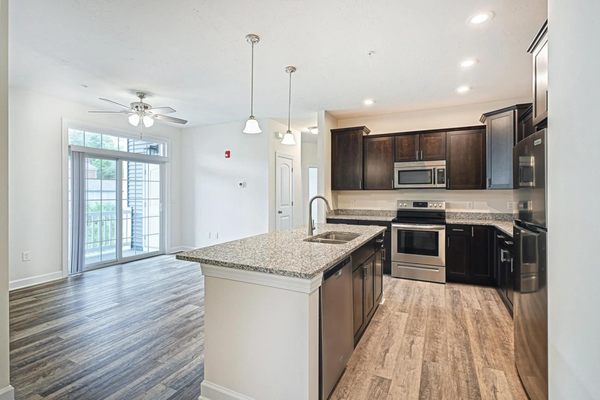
{"x": 531, "y": 294}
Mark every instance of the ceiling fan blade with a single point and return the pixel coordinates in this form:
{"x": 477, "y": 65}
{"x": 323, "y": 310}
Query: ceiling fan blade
{"x": 170, "y": 119}
{"x": 164, "y": 110}
{"x": 114, "y": 102}
{"x": 109, "y": 112}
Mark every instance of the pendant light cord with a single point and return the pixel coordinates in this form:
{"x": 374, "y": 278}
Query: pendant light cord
{"x": 290, "y": 101}
{"x": 252, "y": 84}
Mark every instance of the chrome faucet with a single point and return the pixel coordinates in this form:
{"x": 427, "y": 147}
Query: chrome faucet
{"x": 311, "y": 226}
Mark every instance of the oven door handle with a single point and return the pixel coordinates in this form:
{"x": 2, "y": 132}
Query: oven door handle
{"x": 420, "y": 227}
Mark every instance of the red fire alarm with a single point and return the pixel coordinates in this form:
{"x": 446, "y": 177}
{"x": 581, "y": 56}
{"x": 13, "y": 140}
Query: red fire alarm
{"x": 227, "y": 153}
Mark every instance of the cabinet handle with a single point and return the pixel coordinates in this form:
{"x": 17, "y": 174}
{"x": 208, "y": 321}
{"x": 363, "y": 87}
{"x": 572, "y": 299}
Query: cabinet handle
{"x": 457, "y": 230}
{"x": 448, "y": 241}
{"x": 489, "y": 182}
{"x": 421, "y": 155}
{"x": 472, "y": 231}
{"x": 417, "y": 154}
{"x": 511, "y": 265}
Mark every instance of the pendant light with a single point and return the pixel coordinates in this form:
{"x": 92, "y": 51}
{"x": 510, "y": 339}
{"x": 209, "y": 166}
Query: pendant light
{"x": 289, "y": 138}
{"x": 252, "y": 127}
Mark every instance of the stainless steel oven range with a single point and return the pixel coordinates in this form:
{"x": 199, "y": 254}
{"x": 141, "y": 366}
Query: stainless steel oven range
{"x": 418, "y": 241}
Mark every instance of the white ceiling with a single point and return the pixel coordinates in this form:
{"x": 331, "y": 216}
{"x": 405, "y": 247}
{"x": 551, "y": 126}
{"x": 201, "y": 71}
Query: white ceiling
{"x": 191, "y": 54}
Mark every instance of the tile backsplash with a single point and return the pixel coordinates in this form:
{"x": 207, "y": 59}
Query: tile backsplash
{"x": 486, "y": 201}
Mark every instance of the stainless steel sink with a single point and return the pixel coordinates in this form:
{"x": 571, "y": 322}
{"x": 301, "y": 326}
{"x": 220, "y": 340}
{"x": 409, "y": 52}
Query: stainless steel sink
{"x": 333, "y": 237}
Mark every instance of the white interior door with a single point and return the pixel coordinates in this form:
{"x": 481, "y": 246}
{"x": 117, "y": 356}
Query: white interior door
{"x": 284, "y": 192}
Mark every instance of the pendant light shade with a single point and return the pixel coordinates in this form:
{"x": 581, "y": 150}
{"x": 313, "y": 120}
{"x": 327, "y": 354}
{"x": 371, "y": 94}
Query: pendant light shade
{"x": 289, "y": 138}
{"x": 148, "y": 121}
{"x": 252, "y": 127}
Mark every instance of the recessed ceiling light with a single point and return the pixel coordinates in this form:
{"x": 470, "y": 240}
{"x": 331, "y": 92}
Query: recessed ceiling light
{"x": 368, "y": 102}
{"x": 480, "y": 18}
{"x": 468, "y": 62}
{"x": 463, "y": 89}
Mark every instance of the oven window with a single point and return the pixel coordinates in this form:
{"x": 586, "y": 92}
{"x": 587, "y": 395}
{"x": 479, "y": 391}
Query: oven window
{"x": 415, "y": 177}
{"x": 424, "y": 243}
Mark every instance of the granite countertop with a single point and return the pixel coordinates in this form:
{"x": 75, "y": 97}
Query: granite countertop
{"x": 284, "y": 253}
{"x": 363, "y": 215}
{"x": 504, "y": 222}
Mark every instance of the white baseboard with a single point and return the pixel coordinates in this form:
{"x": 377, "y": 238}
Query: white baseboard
{"x": 7, "y": 393}
{"x": 212, "y": 391}
{"x": 34, "y": 280}
{"x": 177, "y": 249}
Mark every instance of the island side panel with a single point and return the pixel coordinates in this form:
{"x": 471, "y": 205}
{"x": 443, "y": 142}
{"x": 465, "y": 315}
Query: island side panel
{"x": 261, "y": 342}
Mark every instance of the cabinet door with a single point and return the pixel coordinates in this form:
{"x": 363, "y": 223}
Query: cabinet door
{"x": 458, "y": 253}
{"x": 481, "y": 268}
{"x": 540, "y": 82}
{"x": 406, "y": 147}
{"x": 500, "y": 142}
{"x": 378, "y": 275}
{"x": 465, "y": 153}
{"x": 378, "y": 163}
{"x": 358, "y": 299}
{"x": 525, "y": 125}
{"x": 369, "y": 287}
{"x": 346, "y": 159}
{"x": 342, "y": 221}
{"x": 432, "y": 146}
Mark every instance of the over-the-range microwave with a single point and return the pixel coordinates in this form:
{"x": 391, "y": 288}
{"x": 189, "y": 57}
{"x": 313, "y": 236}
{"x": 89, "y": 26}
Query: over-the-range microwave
{"x": 420, "y": 174}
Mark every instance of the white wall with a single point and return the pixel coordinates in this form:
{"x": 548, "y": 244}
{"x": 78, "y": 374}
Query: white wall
{"x": 448, "y": 117}
{"x": 309, "y": 159}
{"x": 573, "y": 193}
{"x": 6, "y": 391}
{"x": 213, "y": 204}
{"x": 215, "y": 209}
{"x": 36, "y": 156}
{"x": 325, "y": 122}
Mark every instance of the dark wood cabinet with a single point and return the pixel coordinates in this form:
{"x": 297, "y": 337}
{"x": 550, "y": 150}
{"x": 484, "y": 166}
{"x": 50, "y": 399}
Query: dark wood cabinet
{"x": 358, "y": 299}
{"x": 347, "y": 158}
{"x": 458, "y": 253}
{"x": 378, "y": 163}
{"x": 426, "y": 146}
{"x": 369, "y": 287}
{"x": 378, "y": 274}
{"x": 539, "y": 50}
{"x": 468, "y": 254}
{"x": 406, "y": 147}
{"x": 502, "y": 132}
{"x": 504, "y": 264}
{"x": 432, "y": 146}
{"x": 525, "y": 124}
{"x": 465, "y": 155}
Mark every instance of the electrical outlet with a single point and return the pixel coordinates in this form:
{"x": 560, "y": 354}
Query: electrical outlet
{"x": 470, "y": 205}
{"x": 510, "y": 205}
{"x": 26, "y": 255}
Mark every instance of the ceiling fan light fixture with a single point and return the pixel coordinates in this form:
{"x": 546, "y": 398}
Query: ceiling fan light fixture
{"x": 288, "y": 139}
{"x": 252, "y": 127}
{"x": 134, "y": 119}
{"x": 148, "y": 121}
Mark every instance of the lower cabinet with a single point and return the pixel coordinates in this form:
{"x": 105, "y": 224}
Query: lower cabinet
{"x": 504, "y": 264}
{"x": 468, "y": 254}
{"x": 367, "y": 285}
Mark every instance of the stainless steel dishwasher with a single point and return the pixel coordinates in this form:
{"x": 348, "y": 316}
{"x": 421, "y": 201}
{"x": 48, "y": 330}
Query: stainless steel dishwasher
{"x": 337, "y": 339}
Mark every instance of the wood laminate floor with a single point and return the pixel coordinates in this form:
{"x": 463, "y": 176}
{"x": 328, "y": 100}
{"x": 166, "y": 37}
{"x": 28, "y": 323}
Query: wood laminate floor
{"x": 432, "y": 341}
{"x": 124, "y": 332}
{"x": 136, "y": 332}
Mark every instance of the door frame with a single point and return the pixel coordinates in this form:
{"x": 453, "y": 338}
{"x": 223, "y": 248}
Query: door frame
{"x": 291, "y": 158}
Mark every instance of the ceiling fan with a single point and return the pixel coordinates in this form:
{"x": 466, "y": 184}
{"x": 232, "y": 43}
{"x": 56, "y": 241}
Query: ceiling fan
{"x": 139, "y": 111}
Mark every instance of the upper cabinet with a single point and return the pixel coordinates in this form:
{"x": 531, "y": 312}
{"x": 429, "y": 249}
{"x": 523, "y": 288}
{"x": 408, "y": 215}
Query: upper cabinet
{"x": 539, "y": 50}
{"x": 465, "y": 159}
{"x": 427, "y": 146}
{"x": 378, "y": 162}
{"x": 502, "y": 133}
{"x": 347, "y": 158}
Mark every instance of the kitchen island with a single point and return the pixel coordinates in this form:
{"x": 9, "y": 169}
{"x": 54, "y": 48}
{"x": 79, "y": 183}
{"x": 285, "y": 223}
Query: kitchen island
{"x": 262, "y": 311}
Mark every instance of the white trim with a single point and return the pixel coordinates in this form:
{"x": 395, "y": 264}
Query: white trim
{"x": 7, "y": 393}
{"x": 34, "y": 280}
{"x": 119, "y": 155}
{"x": 178, "y": 249}
{"x": 212, "y": 391}
{"x": 263, "y": 279}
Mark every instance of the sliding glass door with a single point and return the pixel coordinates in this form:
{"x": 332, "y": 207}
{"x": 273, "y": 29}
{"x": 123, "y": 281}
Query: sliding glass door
{"x": 121, "y": 211}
